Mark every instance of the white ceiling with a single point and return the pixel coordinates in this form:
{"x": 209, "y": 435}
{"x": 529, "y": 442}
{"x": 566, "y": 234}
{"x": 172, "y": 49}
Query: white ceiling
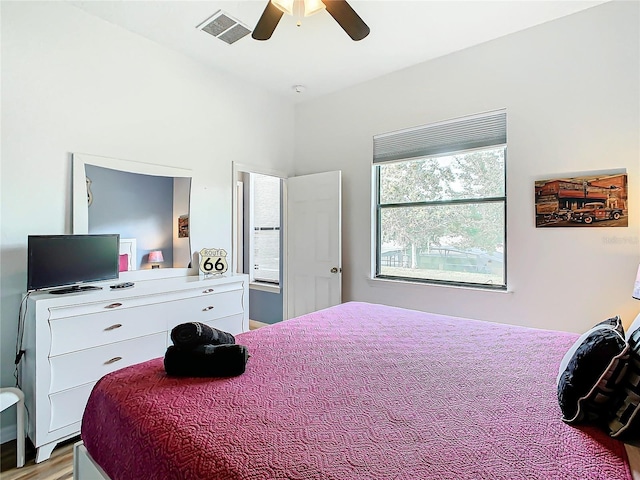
{"x": 319, "y": 54}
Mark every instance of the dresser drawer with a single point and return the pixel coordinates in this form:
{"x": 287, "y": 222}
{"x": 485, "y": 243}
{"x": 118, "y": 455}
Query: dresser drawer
{"x": 227, "y": 287}
{"x": 67, "y": 407}
{"x": 73, "y": 369}
{"x": 90, "y": 308}
{"x": 206, "y": 308}
{"x": 113, "y": 325}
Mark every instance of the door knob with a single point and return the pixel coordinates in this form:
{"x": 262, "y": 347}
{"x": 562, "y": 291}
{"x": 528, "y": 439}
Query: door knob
{"x": 334, "y": 270}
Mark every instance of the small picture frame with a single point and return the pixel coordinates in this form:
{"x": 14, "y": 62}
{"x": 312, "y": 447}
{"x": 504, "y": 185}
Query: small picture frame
{"x": 183, "y": 226}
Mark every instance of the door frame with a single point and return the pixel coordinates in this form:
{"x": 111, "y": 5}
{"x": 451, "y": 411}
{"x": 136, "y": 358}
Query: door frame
{"x": 238, "y": 168}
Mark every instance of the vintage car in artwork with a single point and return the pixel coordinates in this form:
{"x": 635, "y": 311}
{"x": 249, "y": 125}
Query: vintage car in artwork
{"x": 595, "y": 211}
{"x": 564, "y": 214}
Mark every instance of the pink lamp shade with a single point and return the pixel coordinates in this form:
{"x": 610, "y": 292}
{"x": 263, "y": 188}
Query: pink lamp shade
{"x": 155, "y": 256}
{"x": 636, "y": 288}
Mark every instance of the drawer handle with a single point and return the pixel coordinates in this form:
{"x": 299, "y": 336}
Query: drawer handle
{"x": 113, "y": 360}
{"x": 208, "y": 290}
{"x": 206, "y": 309}
{"x": 114, "y": 305}
{"x": 113, "y": 327}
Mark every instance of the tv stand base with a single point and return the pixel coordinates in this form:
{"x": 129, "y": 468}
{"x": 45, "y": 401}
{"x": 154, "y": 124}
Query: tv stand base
{"x": 75, "y": 289}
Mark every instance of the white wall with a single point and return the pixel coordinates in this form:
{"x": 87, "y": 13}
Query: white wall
{"x": 571, "y": 90}
{"x": 75, "y": 83}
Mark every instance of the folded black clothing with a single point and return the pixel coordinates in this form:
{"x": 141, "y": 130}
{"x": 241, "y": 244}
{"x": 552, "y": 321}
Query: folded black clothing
{"x": 206, "y": 361}
{"x": 192, "y": 334}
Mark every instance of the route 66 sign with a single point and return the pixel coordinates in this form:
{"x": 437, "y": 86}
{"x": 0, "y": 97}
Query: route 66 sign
{"x": 213, "y": 260}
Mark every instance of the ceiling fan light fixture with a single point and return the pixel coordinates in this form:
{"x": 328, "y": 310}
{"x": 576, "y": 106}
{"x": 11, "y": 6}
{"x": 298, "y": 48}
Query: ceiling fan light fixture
{"x": 285, "y": 6}
{"x": 340, "y": 10}
{"x": 313, "y": 6}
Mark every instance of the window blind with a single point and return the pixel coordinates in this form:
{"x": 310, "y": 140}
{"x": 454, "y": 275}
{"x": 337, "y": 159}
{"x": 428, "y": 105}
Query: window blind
{"x": 464, "y": 133}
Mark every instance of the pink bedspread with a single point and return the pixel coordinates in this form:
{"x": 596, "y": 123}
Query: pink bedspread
{"x": 357, "y": 391}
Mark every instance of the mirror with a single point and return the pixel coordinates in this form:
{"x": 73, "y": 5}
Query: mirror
{"x": 148, "y": 205}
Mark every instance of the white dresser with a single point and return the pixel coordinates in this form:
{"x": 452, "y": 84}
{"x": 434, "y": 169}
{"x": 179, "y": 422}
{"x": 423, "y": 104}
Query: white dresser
{"x": 72, "y": 340}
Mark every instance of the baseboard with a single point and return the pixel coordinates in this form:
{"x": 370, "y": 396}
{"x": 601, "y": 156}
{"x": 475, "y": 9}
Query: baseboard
{"x": 7, "y": 433}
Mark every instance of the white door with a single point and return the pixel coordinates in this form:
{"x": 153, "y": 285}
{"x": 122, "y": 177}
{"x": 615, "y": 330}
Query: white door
{"x": 314, "y": 242}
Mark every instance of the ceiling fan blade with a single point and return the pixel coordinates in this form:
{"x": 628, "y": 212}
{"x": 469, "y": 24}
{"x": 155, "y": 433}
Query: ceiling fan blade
{"x": 347, "y": 18}
{"x": 268, "y": 22}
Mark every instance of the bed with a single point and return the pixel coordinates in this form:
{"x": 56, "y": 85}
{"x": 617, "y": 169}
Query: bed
{"x": 356, "y": 391}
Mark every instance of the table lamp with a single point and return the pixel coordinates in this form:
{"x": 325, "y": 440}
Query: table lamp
{"x": 155, "y": 257}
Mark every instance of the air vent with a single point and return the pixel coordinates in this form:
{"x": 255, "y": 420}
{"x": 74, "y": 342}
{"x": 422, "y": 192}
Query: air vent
{"x": 224, "y": 27}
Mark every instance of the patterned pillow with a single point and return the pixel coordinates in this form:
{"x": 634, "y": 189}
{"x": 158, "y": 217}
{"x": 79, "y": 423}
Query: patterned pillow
{"x": 625, "y": 424}
{"x": 591, "y": 372}
{"x": 613, "y": 322}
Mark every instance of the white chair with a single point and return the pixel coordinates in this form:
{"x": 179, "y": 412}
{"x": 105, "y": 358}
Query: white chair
{"x": 13, "y": 396}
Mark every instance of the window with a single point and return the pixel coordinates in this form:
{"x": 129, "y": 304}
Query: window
{"x": 265, "y": 228}
{"x": 441, "y": 202}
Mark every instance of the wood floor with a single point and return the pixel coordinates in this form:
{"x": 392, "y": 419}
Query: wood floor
{"x": 59, "y": 466}
{"x": 253, "y": 324}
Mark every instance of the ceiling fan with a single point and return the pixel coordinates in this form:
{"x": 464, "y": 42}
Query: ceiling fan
{"x": 340, "y": 10}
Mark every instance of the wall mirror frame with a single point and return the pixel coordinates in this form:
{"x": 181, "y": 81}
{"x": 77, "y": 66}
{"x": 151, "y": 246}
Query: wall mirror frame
{"x": 81, "y": 200}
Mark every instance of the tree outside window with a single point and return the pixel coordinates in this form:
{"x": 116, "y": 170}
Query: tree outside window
{"x": 441, "y": 219}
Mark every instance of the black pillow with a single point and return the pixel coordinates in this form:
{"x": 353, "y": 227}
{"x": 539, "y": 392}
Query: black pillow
{"x": 225, "y": 360}
{"x": 591, "y": 372}
{"x": 625, "y": 423}
{"x": 190, "y": 335}
{"x": 613, "y": 322}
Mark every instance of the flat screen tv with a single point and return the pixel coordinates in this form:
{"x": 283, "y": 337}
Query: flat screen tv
{"x": 71, "y": 260}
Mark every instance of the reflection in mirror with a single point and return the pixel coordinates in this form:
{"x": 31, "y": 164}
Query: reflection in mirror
{"x": 148, "y": 205}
